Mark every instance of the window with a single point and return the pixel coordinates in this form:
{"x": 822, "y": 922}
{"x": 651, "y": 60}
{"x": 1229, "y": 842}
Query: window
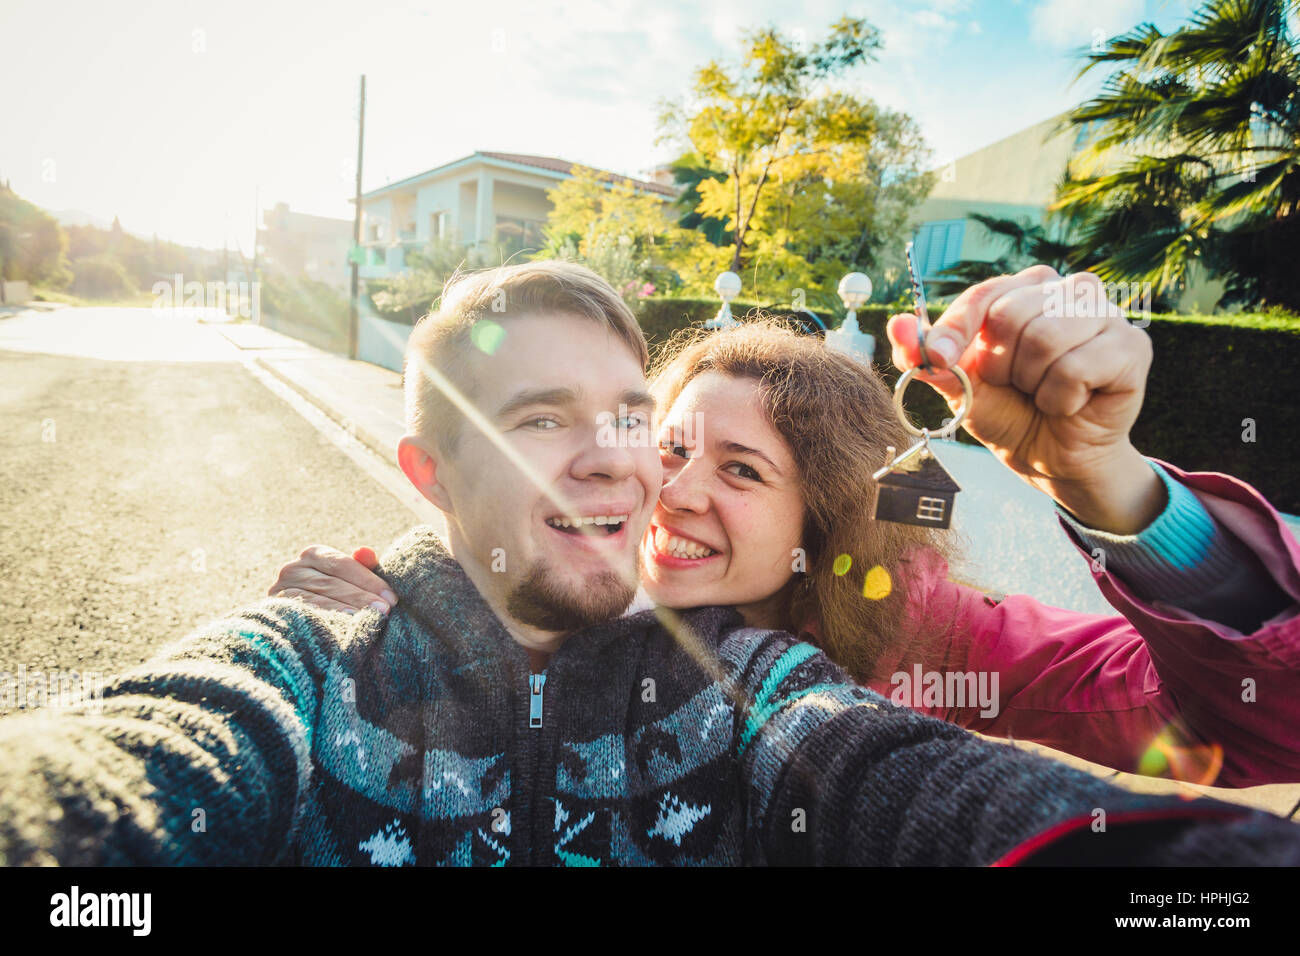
{"x": 930, "y": 509}
{"x": 514, "y": 234}
{"x": 439, "y": 225}
{"x": 938, "y": 246}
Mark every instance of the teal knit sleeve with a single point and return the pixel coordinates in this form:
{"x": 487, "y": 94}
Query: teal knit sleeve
{"x": 199, "y": 756}
{"x": 835, "y": 774}
{"x": 1185, "y": 559}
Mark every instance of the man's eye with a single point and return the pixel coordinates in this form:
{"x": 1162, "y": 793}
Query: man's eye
{"x": 744, "y": 471}
{"x": 632, "y": 421}
{"x": 542, "y": 424}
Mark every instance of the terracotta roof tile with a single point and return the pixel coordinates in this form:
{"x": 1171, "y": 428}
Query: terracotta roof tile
{"x": 564, "y": 166}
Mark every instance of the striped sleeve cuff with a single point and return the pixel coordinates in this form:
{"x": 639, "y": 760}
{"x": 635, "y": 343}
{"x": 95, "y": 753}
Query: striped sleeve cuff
{"x": 1185, "y": 559}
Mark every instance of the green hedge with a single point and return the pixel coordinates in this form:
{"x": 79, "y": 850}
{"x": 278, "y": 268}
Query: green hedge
{"x": 661, "y": 317}
{"x": 1208, "y": 375}
{"x": 1206, "y": 378}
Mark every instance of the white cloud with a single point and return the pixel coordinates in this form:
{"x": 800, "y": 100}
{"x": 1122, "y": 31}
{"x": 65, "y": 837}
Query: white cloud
{"x": 1070, "y": 24}
{"x": 932, "y": 20}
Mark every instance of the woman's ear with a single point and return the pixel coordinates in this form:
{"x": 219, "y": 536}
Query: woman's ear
{"x": 418, "y": 459}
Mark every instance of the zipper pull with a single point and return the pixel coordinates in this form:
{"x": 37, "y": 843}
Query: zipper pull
{"x": 536, "y": 683}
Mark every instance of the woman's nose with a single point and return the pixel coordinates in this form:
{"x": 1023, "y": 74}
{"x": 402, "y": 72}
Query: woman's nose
{"x": 685, "y": 490}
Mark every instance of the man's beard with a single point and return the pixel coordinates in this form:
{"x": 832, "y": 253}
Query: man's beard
{"x": 540, "y": 601}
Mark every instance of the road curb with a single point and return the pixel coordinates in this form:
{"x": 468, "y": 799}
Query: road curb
{"x": 359, "y": 432}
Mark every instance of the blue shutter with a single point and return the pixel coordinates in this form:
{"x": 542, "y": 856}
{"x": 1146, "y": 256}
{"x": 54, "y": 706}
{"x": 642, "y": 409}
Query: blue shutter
{"x": 924, "y": 243}
{"x": 952, "y": 248}
{"x": 938, "y": 245}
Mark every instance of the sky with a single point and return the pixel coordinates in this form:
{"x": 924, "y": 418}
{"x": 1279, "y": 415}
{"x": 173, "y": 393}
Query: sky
{"x": 183, "y": 118}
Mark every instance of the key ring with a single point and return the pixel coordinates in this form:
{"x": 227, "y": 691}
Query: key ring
{"x": 947, "y": 430}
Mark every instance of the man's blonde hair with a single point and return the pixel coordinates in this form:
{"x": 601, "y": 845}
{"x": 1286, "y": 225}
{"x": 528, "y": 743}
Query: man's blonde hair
{"x": 445, "y": 336}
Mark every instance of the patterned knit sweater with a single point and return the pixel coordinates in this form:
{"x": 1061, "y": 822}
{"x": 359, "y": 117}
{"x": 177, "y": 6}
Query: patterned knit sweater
{"x": 283, "y": 734}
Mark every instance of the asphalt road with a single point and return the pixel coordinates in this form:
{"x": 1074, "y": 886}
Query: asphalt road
{"x": 141, "y": 495}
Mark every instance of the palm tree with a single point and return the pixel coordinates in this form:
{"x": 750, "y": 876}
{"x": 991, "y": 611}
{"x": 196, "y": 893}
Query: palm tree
{"x": 689, "y": 170}
{"x": 1195, "y": 154}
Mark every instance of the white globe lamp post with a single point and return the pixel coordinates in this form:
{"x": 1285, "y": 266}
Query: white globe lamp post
{"x": 855, "y": 291}
{"x": 727, "y": 285}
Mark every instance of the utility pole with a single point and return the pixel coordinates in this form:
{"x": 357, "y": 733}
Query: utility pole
{"x": 353, "y": 319}
{"x": 257, "y": 227}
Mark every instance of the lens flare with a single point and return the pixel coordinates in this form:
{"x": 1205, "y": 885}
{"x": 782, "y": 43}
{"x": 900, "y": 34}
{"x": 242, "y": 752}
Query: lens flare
{"x": 878, "y": 584}
{"x": 1187, "y": 763}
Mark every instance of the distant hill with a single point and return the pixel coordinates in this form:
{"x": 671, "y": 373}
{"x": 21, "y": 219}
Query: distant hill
{"x": 75, "y": 217}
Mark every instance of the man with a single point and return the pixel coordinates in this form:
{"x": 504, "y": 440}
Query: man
{"x": 504, "y": 713}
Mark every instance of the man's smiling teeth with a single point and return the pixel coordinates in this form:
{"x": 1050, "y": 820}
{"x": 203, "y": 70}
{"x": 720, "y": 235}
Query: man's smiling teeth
{"x": 589, "y": 519}
{"x": 676, "y": 547}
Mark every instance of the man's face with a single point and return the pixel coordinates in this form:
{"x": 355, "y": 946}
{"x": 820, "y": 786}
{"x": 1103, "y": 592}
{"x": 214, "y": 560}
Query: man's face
{"x": 553, "y": 390}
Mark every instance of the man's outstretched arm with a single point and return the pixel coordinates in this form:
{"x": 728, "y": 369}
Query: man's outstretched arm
{"x": 836, "y": 774}
{"x": 200, "y": 756}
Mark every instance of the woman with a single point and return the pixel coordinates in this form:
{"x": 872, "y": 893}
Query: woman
{"x": 768, "y": 445}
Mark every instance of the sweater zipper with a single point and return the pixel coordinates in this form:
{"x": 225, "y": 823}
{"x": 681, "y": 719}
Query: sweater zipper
{"x": 535, "y": 684}
{"x": 537, "y": 829}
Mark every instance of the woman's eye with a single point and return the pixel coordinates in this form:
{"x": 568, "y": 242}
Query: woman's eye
{"x": 744, "y": 471}
{"x": 542, "y": 424}
{"x": 674, "y": 448}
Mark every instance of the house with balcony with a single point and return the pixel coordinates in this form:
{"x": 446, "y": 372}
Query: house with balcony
{"x": 484, "y": 198}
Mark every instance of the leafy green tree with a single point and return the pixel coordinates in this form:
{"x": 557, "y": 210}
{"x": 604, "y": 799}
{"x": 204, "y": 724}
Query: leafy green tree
{"x": 32, "y": 244}
{"x": 809, "y": 183}
{"x": 627, "y": 235}
{"x": 689, "y": 171}
{"x": 1195, "y": 154}
{"x": 757, "y": 120}
{"x": 100, "y": 277}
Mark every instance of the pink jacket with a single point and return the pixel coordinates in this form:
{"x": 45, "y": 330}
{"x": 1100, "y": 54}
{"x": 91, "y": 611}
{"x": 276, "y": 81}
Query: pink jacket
{"x": 1104, "y": 687}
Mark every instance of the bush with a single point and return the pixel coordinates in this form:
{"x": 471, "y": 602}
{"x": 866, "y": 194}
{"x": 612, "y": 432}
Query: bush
{"x": 1207, "y": 378}
{"x": 100, "y": 277}
{"x": 409, "y": 296}
{"x": 307, "y": 310}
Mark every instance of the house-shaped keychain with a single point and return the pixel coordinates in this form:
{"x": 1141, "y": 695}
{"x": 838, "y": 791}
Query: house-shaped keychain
{"x": 922, "y": 495}
{"x": 913, "y": 488}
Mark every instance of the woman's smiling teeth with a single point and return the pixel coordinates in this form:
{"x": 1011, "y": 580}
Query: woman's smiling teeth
{"x": 676, "y": 547}
{"x": 611, "y": 523}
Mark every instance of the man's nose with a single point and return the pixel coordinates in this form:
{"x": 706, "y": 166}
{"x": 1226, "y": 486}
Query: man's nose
{"x": 614, "y": 461}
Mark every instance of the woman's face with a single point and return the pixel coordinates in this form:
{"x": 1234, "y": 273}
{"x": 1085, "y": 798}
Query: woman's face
{"x": 730, "y": 513}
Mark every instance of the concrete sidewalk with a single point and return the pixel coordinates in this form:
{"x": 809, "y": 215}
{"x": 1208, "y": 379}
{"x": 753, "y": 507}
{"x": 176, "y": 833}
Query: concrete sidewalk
{"x": 363, "y": 399}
